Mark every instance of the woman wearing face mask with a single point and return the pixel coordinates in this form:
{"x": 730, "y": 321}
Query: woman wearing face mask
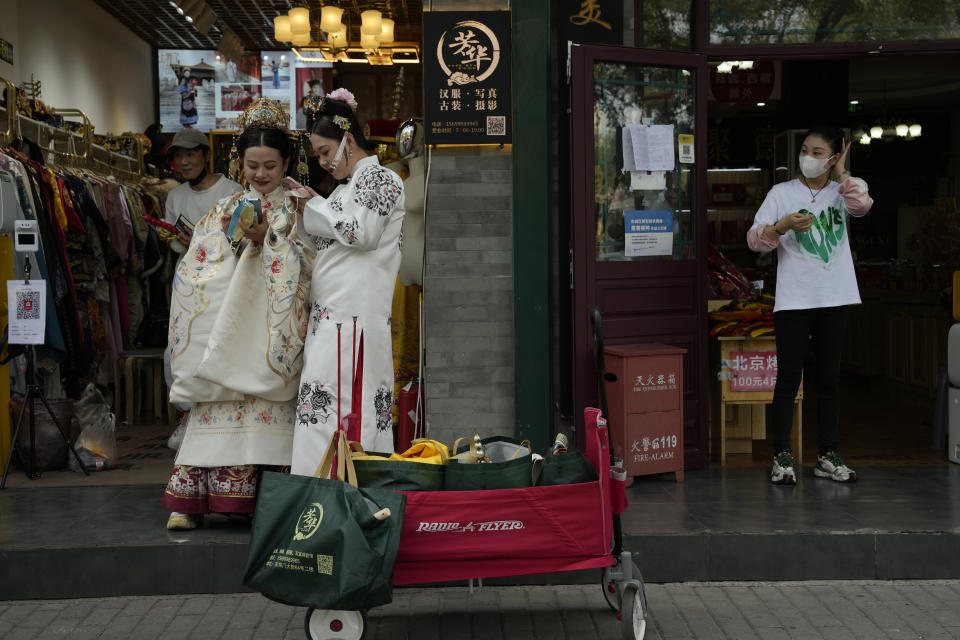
{"x": 237, "y": 324}
{"x": 806, "y": 221}
{"x": 356, "y": 231}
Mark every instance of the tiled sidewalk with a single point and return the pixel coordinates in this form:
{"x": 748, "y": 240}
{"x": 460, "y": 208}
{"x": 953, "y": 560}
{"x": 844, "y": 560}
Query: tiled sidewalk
{"x": 871, "y": 610}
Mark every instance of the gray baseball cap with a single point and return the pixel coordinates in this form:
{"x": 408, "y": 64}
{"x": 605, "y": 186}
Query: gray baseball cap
{"x": 188, "y": 139}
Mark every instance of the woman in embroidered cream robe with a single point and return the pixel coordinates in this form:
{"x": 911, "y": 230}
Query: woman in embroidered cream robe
{"x": 237, "y": 324}
{"x": 356, "y": 232}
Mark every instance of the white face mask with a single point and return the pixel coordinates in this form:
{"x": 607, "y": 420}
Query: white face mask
{"x": 812, "y": 167}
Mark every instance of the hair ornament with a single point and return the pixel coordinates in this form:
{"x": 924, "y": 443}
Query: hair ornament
{"x": 342, "y": 122}
{"x": 343, "y": 95}
{"x": 265, "y": 113}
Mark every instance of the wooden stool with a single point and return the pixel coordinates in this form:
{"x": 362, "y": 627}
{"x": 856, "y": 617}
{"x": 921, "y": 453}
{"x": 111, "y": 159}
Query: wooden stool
{"x": 142, "y": 374}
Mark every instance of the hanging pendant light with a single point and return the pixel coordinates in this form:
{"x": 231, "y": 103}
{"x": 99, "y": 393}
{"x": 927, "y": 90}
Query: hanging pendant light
{"x": 300, "y": 20}
{"x": 915, "y": 130}
{"x": 338, "y": 39}
{"x": 902, "y": 130}
{"x": 386, "y": 30}
{"x": 876, "y": 131}
{"x": 368, "y": 41}
{"x": 330, "y": 18}
{"x": 300, "y": 39}
{"x": 370, "y": 23}
{"x": 281, "y": 29}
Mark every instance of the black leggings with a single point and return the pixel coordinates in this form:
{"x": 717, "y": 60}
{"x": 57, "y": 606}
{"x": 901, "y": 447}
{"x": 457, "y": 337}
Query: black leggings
{"x": 793, "y": 328}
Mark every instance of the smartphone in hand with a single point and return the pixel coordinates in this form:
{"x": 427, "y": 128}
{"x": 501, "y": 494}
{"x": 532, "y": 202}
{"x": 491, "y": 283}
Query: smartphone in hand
{"x": 245, "y": 211}
{"x": 291, "y": 184}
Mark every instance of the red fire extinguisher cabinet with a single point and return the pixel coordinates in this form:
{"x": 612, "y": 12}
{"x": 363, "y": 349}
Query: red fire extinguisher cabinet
{"x": 646, "y": 407}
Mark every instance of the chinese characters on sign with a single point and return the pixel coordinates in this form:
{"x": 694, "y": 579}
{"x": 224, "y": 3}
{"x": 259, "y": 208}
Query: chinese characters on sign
{"x": 589, "y": 21}
{"x": 467, "y": 77}
{"x": 648, "y": 233}
{"x": 752, "y": 370}
{"x": 762, "y": 82}
{"x": 652, "y": 449}
{"x": 656, "y": 382}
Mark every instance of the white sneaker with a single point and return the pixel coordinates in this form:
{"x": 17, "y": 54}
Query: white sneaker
{"x": 782, "y": 470}
{"x": 831, "y": 466}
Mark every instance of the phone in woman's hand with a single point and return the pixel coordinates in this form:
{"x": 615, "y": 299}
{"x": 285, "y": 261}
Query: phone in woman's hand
{"x": 291, "y": 184}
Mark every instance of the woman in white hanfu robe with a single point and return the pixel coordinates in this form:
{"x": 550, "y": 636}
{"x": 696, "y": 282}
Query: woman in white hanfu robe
{"x": 356, "y": 231}
{"x": 237, "y": 324}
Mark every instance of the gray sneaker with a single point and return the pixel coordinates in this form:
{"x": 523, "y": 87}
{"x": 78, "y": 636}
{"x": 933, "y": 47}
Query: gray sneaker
{"x": 831, "y": 466}
{"x": 782, "y": 470}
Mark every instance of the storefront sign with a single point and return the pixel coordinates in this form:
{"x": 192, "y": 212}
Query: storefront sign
{"x": 752, "y": 370}
{"x": 589, "y": 21}
{"x": 6, "y": 51}
{"x": 760, "y": 83}
{"x": 648, "y": 233}
{"x": 467, "y": 77}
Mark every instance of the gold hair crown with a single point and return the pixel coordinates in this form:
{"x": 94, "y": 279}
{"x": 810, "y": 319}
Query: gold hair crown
{"x": 342, "y": 122}
{"x": 266, "y": 114}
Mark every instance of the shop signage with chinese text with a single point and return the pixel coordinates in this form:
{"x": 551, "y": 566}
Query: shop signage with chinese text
{"x": 762, "y": 82}
{"x": 752, "y": 370}
{"x": 467, "y": 74}
{"x": 589, "y": 21}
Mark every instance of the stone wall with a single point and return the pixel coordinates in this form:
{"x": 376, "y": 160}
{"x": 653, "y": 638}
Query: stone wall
{"x": 468, "y": 293}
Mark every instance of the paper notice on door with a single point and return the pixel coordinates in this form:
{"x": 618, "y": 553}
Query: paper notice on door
{"x": 685, "y": 147}
{"x": 28, "y": 318}
{"x": 648, "y": 147}
{"x": 648, "y": 180}
{"x": 648, "y": 233}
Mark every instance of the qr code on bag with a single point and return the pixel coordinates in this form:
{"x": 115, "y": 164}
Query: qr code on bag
{"x": 496, "y": 125}
{"x": 28, "y": 305}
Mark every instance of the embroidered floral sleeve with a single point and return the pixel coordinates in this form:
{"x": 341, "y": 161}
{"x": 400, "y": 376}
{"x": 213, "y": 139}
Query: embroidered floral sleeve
{"x": 288, "y": 268}
{"x": 357, "y": 215}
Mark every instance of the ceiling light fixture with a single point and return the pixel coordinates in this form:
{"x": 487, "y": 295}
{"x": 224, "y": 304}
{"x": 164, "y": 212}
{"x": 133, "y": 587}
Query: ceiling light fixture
{"x": 281, "y": 29}
{"x": 370, "y": 23}
{"x": 386, "y": 30}
{"x": 330, "y": 18}
{"x": 300, "y": 21}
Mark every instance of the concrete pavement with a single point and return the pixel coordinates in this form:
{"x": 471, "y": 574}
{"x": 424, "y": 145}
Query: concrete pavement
{"x": 867, "y": 610}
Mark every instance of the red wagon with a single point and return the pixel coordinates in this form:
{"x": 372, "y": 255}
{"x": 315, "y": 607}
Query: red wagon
{"x": 460, "y": 535}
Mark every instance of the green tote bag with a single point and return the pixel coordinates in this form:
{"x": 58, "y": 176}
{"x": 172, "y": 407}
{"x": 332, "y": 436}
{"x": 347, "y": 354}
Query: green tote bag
{"x": 324, "y": 543}
{"x": 509, "y": 466}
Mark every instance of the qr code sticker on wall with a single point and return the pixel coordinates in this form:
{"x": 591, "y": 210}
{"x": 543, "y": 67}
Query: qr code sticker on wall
{"x": 496, "y": 125}
{"x": 28, "y": 305}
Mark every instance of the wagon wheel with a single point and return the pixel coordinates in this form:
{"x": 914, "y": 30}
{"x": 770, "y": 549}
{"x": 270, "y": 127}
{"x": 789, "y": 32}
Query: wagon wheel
{"x": 633, "y": 615}
{"x": 331, "y": 624}
{"x": 611, "y": 590}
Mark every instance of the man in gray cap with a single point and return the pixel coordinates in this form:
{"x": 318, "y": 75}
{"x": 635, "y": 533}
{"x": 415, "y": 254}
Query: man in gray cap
{"x": 189, "y": 202}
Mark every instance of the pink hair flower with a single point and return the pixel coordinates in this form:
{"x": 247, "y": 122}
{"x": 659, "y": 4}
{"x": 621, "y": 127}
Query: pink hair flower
{"x": 343, "y": 95}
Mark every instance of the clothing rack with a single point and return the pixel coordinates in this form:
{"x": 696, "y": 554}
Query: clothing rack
{"x": 69, "y": 147}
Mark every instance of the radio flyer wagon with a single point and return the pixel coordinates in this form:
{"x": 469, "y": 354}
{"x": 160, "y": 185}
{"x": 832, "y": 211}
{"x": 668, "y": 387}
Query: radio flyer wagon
{"x": 460, "y": 535}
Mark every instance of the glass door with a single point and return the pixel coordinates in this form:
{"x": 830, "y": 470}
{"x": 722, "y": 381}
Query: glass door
{"x": 638, "y": 130}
